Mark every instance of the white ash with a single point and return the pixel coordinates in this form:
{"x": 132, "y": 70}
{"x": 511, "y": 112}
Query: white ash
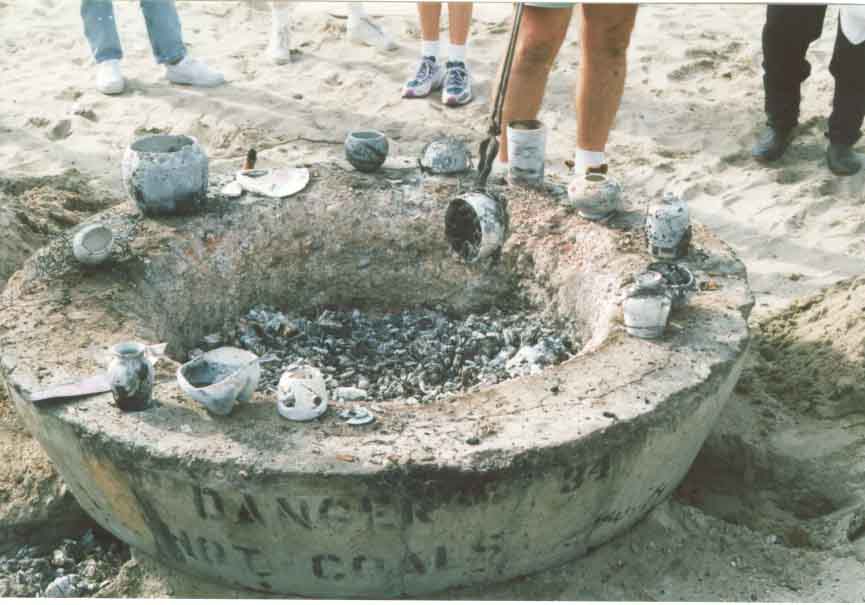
{"x": 420, "y": 355}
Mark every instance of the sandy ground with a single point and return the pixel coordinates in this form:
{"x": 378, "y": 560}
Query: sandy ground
{"x": 691, "y": 108}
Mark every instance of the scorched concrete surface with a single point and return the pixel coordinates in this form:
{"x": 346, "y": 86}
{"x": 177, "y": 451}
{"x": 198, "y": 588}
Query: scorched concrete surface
{"x": 500, "y": 482}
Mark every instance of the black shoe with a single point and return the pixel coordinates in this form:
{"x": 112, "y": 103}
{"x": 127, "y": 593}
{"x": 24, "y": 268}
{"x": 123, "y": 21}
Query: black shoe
{"x": 842, "y": 160}
{"x": 771, "y": 144}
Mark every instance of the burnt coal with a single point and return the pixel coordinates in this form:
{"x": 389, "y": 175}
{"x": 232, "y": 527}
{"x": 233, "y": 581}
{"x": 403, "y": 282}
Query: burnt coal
{"x": 421, "y": 355}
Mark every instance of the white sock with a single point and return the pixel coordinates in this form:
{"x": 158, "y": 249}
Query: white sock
{"x": 457, "y": 52}
{"x": 356, "y": 11}
{"x": 429, "y": 48}
{"x": 584, "y": 159}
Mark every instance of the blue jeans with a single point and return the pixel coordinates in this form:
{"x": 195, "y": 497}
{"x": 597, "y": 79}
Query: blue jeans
{"x": 163, "y": 27}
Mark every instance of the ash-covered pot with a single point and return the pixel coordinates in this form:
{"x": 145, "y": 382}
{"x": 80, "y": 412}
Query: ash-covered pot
{"x": 647, "y": 306}
{"x": 166, "y": 174}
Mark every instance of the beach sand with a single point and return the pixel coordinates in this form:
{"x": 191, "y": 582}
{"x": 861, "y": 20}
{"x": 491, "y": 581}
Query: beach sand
{"x": 692, "y": 106}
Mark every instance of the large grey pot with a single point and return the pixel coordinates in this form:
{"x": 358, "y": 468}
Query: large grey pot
{"x": 166, "y": 174}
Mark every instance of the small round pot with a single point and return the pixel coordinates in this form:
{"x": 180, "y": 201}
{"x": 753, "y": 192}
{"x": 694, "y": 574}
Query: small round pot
{"x": 366, "y": 150}
{"x": 166, "y": 174}
{"x": 301, "y": 394}
{"x": 476, "y": 225}
{"x": 92, "y": 244}
{"x": 130, "y": 375}
{"x": 680, "y": 281}
{"x": 445, "y": 156}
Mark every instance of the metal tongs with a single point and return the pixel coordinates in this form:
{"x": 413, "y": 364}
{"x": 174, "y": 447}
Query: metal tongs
{"x": 489, "y": 148}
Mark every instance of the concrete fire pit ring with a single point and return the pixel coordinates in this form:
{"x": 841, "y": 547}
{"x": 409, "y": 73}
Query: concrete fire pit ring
{"x": 497, "y": 483}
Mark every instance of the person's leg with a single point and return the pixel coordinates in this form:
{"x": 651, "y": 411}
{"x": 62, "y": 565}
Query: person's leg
{"x": 279, "y": 47}
{"x": 542, "y": 32}
{"x": 163, "y": 27}
{"x": 101, "y": 30}
{"x": 787, "y": 33}
{"x": 457, "y": 85}
{"x": 363, "y": 30}
{"x": 848, "y": 105}
{"x": 605, "y": 36}
{"x": 429, "y": 74}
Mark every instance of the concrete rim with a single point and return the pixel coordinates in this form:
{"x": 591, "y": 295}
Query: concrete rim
{"x": 599, "y": 425}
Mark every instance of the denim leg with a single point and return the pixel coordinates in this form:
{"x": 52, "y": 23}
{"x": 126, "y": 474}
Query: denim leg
{"x": 788, "y": 32}
{"x": 101, "y": 29}
{"x": 848, "y": 105}
{"x": 163, "y": 27}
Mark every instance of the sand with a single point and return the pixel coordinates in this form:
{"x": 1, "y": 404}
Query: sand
{"x": 692, "y": 106}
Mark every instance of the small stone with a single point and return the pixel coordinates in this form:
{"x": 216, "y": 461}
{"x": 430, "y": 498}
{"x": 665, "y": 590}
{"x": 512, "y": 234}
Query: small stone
{"x": 232, "y": 190}
{"x": 350, "y": 394}
{"x": 84, "y": 110}
{"x": 89, "y": 569}
{"x": 473, "y": 441}
{"x": 60, "y": 130}
{"x": 63, "y": 587}
{"x": 58, "y": 558}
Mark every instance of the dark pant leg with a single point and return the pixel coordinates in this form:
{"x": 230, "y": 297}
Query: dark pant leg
{"x": 786, "y": 35}
{"x": 848, "y": 106}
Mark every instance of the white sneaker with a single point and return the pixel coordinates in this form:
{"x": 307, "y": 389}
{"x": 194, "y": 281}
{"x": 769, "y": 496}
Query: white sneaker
{"x": 363, "y": 30}
{"x": 457, "y": 88}
{"x": 279, "y": 48}
{"x": 429, "y": 76}
{"x": 193, "y": 72}
{"x": 109, "y": 79}
{"x": 595, "y": 195}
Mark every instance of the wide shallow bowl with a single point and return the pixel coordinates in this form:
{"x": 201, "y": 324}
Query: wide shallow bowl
{"x": 221, "y": 378}
{"x": 92, "y": 244}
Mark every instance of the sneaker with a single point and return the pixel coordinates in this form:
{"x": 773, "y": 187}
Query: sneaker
{"x": 364, "y": 30}
{"x": 430, "y": 75}
{"x": 279, "y": 48}
{"x": 457, "y": 88}
{"x": 109, "y": 79}
{"x": 594, "y": 194}
{"x": 193, "y": 72}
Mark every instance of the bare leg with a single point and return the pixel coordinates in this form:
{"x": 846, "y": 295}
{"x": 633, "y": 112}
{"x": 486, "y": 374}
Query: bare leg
{"x": 459, "y": 22}
{"x": 280, "y": 31}
{"x": 430, "y": 17}
{"x": 606, "y": 33}
{"x": 542, "y": 32}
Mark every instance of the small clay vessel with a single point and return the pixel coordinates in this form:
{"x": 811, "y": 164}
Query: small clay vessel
{"x": 221, "y": 378}
{"x": 166, "y": 174}
{"x": 647, "y": 306}
{"x": 301, "y": 394}
{"x": 130, "y": 374}
{"x": 92, "y": 244}
{"x": 668, "y": 227}
{"x": 476, "y": 225}
{"x": 448, "y": 155}
{"x": 366, "y": 150}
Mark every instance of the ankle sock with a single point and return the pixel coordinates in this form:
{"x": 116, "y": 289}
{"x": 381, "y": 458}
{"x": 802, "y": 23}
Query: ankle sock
{"x": 584, "y": 159}
{"x": 457, "y": 53}
{"x": 430, "y": 48}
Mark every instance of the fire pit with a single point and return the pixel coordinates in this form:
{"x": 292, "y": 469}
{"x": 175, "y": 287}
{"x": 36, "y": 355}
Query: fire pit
{"x": 482, "y": 486}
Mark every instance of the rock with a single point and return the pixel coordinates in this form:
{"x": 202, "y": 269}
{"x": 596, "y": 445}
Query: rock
{"x": 89, "y": 569}
{"x": 349, "y": 394}
{"x": 63, "y": 587}
{"x": 60, "y": 130}
{"x": 84, "y": 110}
{"x": 58, "y": 559}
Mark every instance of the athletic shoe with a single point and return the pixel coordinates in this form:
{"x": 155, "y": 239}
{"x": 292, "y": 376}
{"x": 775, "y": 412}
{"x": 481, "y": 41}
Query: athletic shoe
{"x": 193, "y": 72}
{"x": 595, "y": 195}
{"x": 430, "y": 75}
{"x": 364, "y": 30}
{"x": 109, "y": 79}
{"x": 457, "y": 88}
